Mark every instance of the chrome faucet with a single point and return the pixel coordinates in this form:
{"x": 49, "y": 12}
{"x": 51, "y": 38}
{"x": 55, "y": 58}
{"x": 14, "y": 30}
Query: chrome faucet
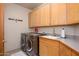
{"x": 54, "y": 31}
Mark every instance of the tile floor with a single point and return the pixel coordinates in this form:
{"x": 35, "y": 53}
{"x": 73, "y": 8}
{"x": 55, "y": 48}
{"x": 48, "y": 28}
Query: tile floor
{"x": 19, "y": 53}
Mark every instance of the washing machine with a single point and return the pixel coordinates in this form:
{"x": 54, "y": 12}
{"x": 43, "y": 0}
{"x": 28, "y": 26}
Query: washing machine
{"x": 23, "y": 41}
{"x": 32, "y": 44}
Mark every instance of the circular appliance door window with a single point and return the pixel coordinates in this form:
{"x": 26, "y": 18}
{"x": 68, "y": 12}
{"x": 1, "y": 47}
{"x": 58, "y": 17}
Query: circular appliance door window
{"x": 29, "y": 45}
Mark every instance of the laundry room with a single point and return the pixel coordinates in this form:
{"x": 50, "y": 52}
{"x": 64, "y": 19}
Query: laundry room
{"x": 39, "y": 29}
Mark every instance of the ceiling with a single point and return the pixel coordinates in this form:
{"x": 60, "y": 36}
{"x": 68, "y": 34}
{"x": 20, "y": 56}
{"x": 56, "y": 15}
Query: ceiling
{"x": 29, "y": 5}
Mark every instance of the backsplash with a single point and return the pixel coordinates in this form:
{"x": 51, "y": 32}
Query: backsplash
{"x": 69, "y": 30}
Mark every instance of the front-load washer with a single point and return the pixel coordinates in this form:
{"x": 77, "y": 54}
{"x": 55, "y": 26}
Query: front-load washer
{"x": 23, "y": 41}
{"x": 32, "y": 44}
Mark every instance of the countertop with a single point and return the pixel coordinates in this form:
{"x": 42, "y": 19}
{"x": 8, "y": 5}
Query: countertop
{"x": 70, "y": 41}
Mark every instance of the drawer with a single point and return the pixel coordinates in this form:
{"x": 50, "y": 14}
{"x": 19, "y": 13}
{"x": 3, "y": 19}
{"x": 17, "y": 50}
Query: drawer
{"x": 49, "y": 41}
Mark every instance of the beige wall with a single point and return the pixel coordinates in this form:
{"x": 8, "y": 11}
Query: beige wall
{"x": 13, "y": 30}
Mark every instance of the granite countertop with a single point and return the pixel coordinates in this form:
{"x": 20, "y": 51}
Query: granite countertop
{"x": 70, "y": 41}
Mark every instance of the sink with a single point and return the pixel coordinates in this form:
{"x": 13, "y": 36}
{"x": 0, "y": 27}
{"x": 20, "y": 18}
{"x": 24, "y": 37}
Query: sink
{"x": 53, "y": 37}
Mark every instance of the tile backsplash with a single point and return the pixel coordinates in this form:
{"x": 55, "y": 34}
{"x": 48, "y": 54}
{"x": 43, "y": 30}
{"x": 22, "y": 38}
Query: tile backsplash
{"x": 69, "y": 30}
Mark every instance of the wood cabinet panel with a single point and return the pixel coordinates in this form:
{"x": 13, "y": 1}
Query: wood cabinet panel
{"x": 74, "y": 53}
{"x": 64, "y": 50}
{"x": 72, "y": 13}
{"x": 43, "y": 49}
{"x": 1, "y": 29}
{"x": 32, "y": 19}
{"x": 1, "y": 49}
{"x": 55, "y": 14}
{"x": 53, "y": 50}
{"x": 49, "y": 41}
{"x": 50, "y": 48}
{"x": 45, "y": 15}
{"x": 37, "y": 18}
{"x": 40, "y": 16}
{"x": 58, "y": 14}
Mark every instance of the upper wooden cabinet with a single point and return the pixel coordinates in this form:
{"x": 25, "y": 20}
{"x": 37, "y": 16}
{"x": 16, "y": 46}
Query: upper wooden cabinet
{"x": 55, "y": 14}
{"x": 40, "y": 16}
{"x": 58, "y": 14}
{"x": 31, "y": 19}
{"x": 34, "y": 18}
{"x": 37, "y": 18}
{"x": 72, "y": 13}
{"x": 45, "y": 15}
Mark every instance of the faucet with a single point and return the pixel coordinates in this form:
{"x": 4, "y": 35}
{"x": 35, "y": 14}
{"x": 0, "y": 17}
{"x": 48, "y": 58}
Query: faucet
{"x": 54, "y": 31}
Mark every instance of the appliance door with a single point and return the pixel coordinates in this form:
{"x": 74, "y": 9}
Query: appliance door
{"x": 29, "y": 45}
{"x": 23, "y": 41}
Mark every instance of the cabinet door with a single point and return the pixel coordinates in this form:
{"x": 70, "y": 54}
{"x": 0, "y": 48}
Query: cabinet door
{"x": 72, "y": 13}
{"x": 37, "y": 18}
{"x": 43, "y": 49}
{"x": 53, "y": 50}
{"x": 64, "y": 50}
{"x": 48, "y": 47}
{"x": 1, "y": 30}
{"x": 40, "y": 16}
{"x": 74, "y": 53}
{"x": 58, "y": 14}
{"x": 32, "y": 19}
{"x": 45, "y": 15}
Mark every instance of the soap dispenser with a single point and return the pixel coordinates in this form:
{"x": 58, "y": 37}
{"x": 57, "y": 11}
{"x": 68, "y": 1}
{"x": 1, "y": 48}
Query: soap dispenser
{"x": 63, "y": 33}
